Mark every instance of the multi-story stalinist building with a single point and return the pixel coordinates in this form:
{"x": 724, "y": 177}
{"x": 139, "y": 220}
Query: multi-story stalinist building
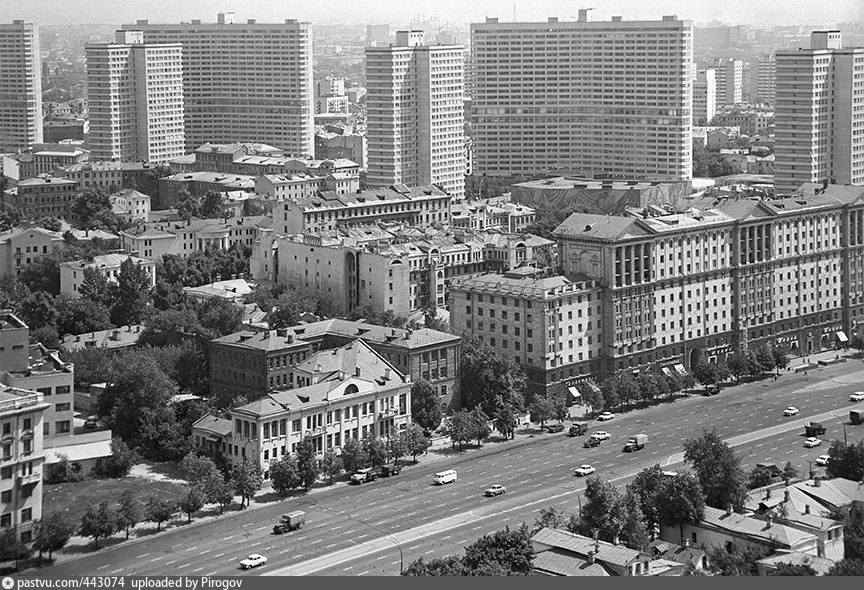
{"x": 819, "y": 114}
{"x": 672, "y": 287}
{"x": 20, "y": 86}
{"x": 604, "y": 97}
{"x": 244, "y": 81}
{"x": 415, "y": 114}
{"x": 135, "y": 96}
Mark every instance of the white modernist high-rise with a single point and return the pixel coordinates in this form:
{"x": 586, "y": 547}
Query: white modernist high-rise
{"x": 766, "y": 76}
{"x": 415, "y": 119}
{"x": 819, "y": 114}
{"x": 595, "y": 97}
{"x": 730, "y": 81}
{"x": 135, "y": 97}
{"x": 244, "y": 82}
{"x": 704, "y": 96}
{"x": 20, "y": 86}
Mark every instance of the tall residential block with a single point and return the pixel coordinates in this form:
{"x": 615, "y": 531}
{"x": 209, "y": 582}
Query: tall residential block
{"x": 596, "y": 97}
{"x": 20, "y": 86}
{"x": 135, "y": 96}
{"x": 704, "y": 96}
{"x": 766, "y": 75}
{"x": 819, "y": 114}
{"x": 415, "y": 114}
{"x": 244, "y": 81}
{"x": 730, "y": 81}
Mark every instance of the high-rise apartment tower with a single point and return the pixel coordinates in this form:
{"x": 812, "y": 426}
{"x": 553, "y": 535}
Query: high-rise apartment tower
{"x": 596, "y": 97}
{"x": 20, "y": 86}
{"x": 244, "y": 82}
{"x": 415, "y": 114}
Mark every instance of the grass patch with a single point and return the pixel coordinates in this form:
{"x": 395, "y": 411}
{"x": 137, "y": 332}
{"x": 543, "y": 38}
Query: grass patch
{"x": 75, "y": 497}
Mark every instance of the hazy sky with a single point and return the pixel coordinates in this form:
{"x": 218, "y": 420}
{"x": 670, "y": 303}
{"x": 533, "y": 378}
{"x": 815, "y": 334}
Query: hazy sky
{"x": 755, "y": 12}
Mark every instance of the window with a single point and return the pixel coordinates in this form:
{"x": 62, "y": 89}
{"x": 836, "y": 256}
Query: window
{"x": 62, "y": 407}
{"x": 62, "y": 427}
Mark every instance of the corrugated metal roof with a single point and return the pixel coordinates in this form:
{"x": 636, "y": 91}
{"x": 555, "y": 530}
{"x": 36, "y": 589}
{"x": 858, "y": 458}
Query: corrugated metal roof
{"x": 81, "y": 452}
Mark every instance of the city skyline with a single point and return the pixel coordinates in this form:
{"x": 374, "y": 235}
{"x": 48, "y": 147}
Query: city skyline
{"x": 398, "y": 12}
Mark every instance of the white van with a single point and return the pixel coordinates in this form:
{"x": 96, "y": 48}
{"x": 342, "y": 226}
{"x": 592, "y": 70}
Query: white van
{"x": 444, "y": 477}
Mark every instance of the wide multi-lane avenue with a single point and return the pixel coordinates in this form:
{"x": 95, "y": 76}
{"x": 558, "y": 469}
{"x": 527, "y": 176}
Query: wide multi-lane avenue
{"x": 370, "y": 529}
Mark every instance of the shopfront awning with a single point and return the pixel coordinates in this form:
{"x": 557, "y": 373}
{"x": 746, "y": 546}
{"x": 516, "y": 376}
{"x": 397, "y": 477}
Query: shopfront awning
{"x": 667, "y": 371}
{"x": 841, "y": 336}
{"x": 681, "y": 370}
{"x": 574, "y": 392}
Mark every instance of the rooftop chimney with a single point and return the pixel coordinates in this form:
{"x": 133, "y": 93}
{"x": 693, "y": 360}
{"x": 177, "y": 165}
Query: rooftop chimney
{"x": 786, "y": 496}
{"x": 583, "y": 15}
{"x": 729, "y": 510}
{"x": 616, "y": 541}
{"x": 356, "y": 371}
{"x": 767, "y": 493}
{"x": 386, "y": 373}
{"x": 806, "y": 508}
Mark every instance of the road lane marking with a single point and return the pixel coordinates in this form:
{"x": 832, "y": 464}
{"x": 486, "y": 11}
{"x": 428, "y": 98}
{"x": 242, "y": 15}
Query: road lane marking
{"x": 213, "y": 573}
{"x": 442, "y": 538}
{"x": 227, "y": 538}
{"x": 142, "y": 556}
{"x": 329, "y": 546}
{"x": 363, "y": 573}
{"x": 157, "y": 558}
{"x": 462, "y": 541}
{"x": 315, "y": 541}
{"x": 170, "y": 562}
{"x": 413, "y": 548}
{"x": 220, "y": 555}
{"x": 377, "y": 559}
{"x": 205, "y": 552}
{"x": 502, "y": 520}
{"x": 477, "y": 527}
{"x": 396, "y": 563}
{"x": 428, "y": 552}
{"x": 261, "y": 528}
{"x": 284, "y": 551}
{"x": 103, "y": 567}
{"x": 117, "y": 570}
{"x": 180, "y": 567}
{"x": 192, "y": 548}
{"x": 198, "y": 570}
{"x": 336, "y": 528}
{"x": 255, "y": 544}
{"x": 363, "y": 536}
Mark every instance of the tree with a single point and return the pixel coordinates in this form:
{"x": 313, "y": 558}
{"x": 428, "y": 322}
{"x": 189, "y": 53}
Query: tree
{"x": 212, "y": 206}
{"x": 308, "y": 467}
{"x": 218, "y": 317}
{"x": 847, "y": 461}
{"x": 99, "y": 523}
{"x": 159, "y": 509}
{"x": 331, "y": 463}
{"x": 246, "y": 477}
{"x": 122, "y": 458}
{"x": 479, "y": 426}
{"x": 188, "y": 206}
{"x": 415, "y": 440}
{"x": 847, "y": 567}
{"x": 759, "y": 477}
{"x": 52, "y": 533}
{"x": 90, "y": 206}
{"x": 718, "y": 469}
{"x": 197, "y": 468}
{"x": 736, "y": 563}
{"x": 603, "y": 509}
{"x": 284, "y": 475}
{"x": 62, "y": 471}
{"x": 486, "y": 375}
{"x": 444, "y": 566}
{"x": 376, "y": 450}
{"x": 541, "y": 410}
{"x": 131, "y": 294}
{"x": 95, "y": 288}
{"x": 511, "y": 549}
{"x": 549, "y": 517}
{"x": 789, "y": 569}
{"x": 609, "y": 389}
{"x": 354, "y": 455}
{"x": 79, "y": 316}
{"x": 680, "y": 499}
{"x": 222, "y": 493}
{"x": 38, "y": 310}
{"x": 43, "y": 274}
{"x": 857, "y": 342}
{"x": 129, "y": 513}
{"x": 628, "y": 390}
{"x": 645, "y": 487}
{"x": 765, "y": 358}
{"x": 738, "y": 364}
{"x": 634, "y": 533}
{"x": 458, "y": 428}
{"x": 592, "y": 396}
{"x": 789, "y": 472}
{"x": 705, "y": 373}
{"x": 289, "y": 307}
{"x": 11, "y": 546}
{"x": 646, "y": 383}
{"x": 425, "y": 407}
{"x": 504, "y": 419}
{"x": 192, "y": 502}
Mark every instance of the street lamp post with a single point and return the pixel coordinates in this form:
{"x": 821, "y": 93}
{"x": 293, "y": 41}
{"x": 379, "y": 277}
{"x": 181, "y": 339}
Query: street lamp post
{"x": 243, "y": 475}
{"x": 401, "y": 557}
{"x": 843, "y": 423}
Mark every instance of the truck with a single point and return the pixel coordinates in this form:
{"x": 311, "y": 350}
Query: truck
{"x": 578, "y": 429}
{"x": 392, "y": 469}
{"x": 636, "y": 443}
{"x": 857, "y": 416}
{"x": 290, "y": 522}
{"x": 364, "y": 475}
{"x": 813, "y": 429}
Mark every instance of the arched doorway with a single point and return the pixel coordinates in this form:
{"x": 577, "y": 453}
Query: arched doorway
{"x": 823, "y": 343}
{"x": 793, "y": 348}
{"x": 809, "y": 347}
{"x": 695, "y": 356}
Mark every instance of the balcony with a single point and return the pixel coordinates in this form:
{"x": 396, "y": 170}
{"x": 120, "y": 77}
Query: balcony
{"x": 29, "y": 480}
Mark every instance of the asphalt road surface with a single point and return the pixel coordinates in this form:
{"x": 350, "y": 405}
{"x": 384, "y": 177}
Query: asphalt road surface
{"x": 360, "y": 530}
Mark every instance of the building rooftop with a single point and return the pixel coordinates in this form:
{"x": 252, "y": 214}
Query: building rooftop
{"x": 558, "y": 562}
{"x": 214, "y": 425}
{"x": 616, "y": 555}
{"x": 355, "y": 359}
{"x": 820, "y": 564}
{"x": 45, "y": 180}
{"x": 103, "y": 166}
{"x": 106, "y": 261}
{"x": 311, "y": 396}
{"x": 267, "y": 341}
{"x": 568, "y": 182}
{"x": 753, "y": 528}
{"x": 410, "y": 339}
{"x": 230, "y": 289}
{"x": 392, "y": 194}
{"x": 20, "y": 230}
{"x": 108, "y": 339}
{"x": 517, "y": 284}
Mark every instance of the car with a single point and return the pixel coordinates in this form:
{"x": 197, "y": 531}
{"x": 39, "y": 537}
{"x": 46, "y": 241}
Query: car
{"x": 495, "y": 490}
{"x": 822, "y": 460}
{"x": 857, "y": 396}
{"x": 812, "y": 442}
{"x": 555, "y": 428}
{"x": 790, "y": 411}
{"x": 601, "y": 435}
{"x": 583, "y": 470}
{"x": 605, "y": 416}
{"x": 91, "y": 423}
{"x": 253, "y": 560}
{"x": 591, "y": 442}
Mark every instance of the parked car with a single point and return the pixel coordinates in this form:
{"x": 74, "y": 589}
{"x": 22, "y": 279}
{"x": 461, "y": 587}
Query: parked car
{"x": 555, "y": 428}
{"x": 253, "y": 560}
{"x": 812, "y": 442}
{"x": 392, "y": 469}
{"x": 583, "y": 470}
{"x": 364, "y": 475}
{"x": 601, "y": 435}
{"x": 591, "y": 442}
{"x": 605, "y": 416}
{"x": 91, "y": 423}
{"x": 495, "y": 490}
{"x": 857, "y": 396}
{"x": 790, "y": 411}
{"x": 822, "y": 460}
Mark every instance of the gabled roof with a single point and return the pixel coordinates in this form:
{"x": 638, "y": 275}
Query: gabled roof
{"x": 311, "y": 396}
{"x": 603, "y": 227}
{"x": 820, "y": 564}
{"x": 833, "y": 492}
{"x": 557, "y": 562}
{"x": 355, "y": 359}
{"x": 269, "y": 340}
{"x": 372, "y": 333}
{"x": 616, "y": 555}
{"x": 213, "y": 424}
